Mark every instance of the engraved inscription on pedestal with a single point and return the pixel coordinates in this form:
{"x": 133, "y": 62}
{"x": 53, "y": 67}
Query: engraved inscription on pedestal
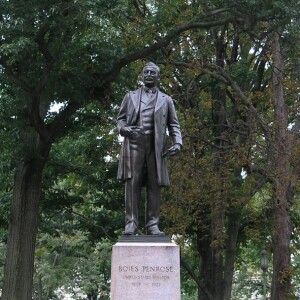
{"x": 145, "y": 271}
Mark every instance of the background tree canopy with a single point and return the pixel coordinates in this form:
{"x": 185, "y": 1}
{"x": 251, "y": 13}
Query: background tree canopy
{"x": 233, "y": 71}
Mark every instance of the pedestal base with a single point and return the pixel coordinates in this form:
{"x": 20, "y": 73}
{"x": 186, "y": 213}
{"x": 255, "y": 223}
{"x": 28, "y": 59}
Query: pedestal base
{"x": 145, "y": 271}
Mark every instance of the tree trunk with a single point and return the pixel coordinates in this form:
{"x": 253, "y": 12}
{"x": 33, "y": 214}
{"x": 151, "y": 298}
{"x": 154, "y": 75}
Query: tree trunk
{"x": 18, "y": 273}
{"x": 218, "y": 240}
{"x": 232, "y": 231}
{"x": 204, "y": 250}
{"x": 281, "y": 226}
{"x": 219, "y": 203}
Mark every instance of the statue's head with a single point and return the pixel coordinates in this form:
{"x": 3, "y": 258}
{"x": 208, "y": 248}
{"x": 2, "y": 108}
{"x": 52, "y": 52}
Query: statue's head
{"x": 151, "y": 75}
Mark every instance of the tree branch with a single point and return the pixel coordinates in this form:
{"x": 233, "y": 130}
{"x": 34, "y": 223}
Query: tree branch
{"x": 85, "y": 219}
{"x": 57, "y": 126}
{"x": 15, "y": 79}
{"x": 36, "y": 119}
{"x": 138, "y": 10}
{"x": 195, "y": 277}
{"x": 221, "y": 75}
{"x": 163, "y": 42}
{"x": 43, "y": 47}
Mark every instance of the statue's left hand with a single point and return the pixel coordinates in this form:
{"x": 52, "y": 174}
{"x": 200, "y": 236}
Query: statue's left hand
{"x": 172, "y": 150}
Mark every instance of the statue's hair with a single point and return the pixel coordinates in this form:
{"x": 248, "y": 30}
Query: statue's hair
{"x": 152, "y": 65}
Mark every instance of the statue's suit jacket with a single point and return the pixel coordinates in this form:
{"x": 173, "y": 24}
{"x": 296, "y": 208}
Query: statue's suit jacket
{"x": 164, "y": 117}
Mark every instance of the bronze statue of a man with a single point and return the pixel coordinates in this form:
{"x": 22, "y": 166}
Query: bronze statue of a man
{"x": 144, "y": 116}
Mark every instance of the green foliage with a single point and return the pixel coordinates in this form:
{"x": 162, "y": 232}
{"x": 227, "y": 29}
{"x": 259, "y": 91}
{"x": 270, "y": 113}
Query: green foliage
{"x": 70, "y": 261}
{"x": 2, "y": 261}
{"x": 64, "y": 49}
{"x": 81, "y": 175}
{"x": 189, "y": 254}
{"x": 82, "y": 208}
{"x": 248, "y": 279}
{"x": 9, "y": 149}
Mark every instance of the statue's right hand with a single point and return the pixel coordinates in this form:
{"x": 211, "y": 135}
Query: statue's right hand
{"x": 129, "y": 130}
{"x": 125, "y": 131}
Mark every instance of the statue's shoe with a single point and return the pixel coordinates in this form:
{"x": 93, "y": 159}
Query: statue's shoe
{"x": 154, "y": 230}
{"x": 130, "y": 229}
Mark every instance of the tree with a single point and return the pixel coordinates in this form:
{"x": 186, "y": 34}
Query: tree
{"x": 239, "y": 127}
{"x": 82, "y": 206}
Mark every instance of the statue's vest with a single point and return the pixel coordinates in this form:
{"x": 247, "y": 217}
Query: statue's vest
{"x": 146, "y": 116}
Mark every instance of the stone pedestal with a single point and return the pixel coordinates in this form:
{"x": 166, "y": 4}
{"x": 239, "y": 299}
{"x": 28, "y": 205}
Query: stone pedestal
{"x": 145, "y": 270}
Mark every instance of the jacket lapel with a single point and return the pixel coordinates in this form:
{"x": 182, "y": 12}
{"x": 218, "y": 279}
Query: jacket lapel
{"x": 161, "y": 98}
{"x": 136, "y": 102}
{"x": 136, "y": 97}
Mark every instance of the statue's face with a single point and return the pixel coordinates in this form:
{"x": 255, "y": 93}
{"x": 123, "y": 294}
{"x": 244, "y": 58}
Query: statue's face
{"x": 150, "y": 76}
